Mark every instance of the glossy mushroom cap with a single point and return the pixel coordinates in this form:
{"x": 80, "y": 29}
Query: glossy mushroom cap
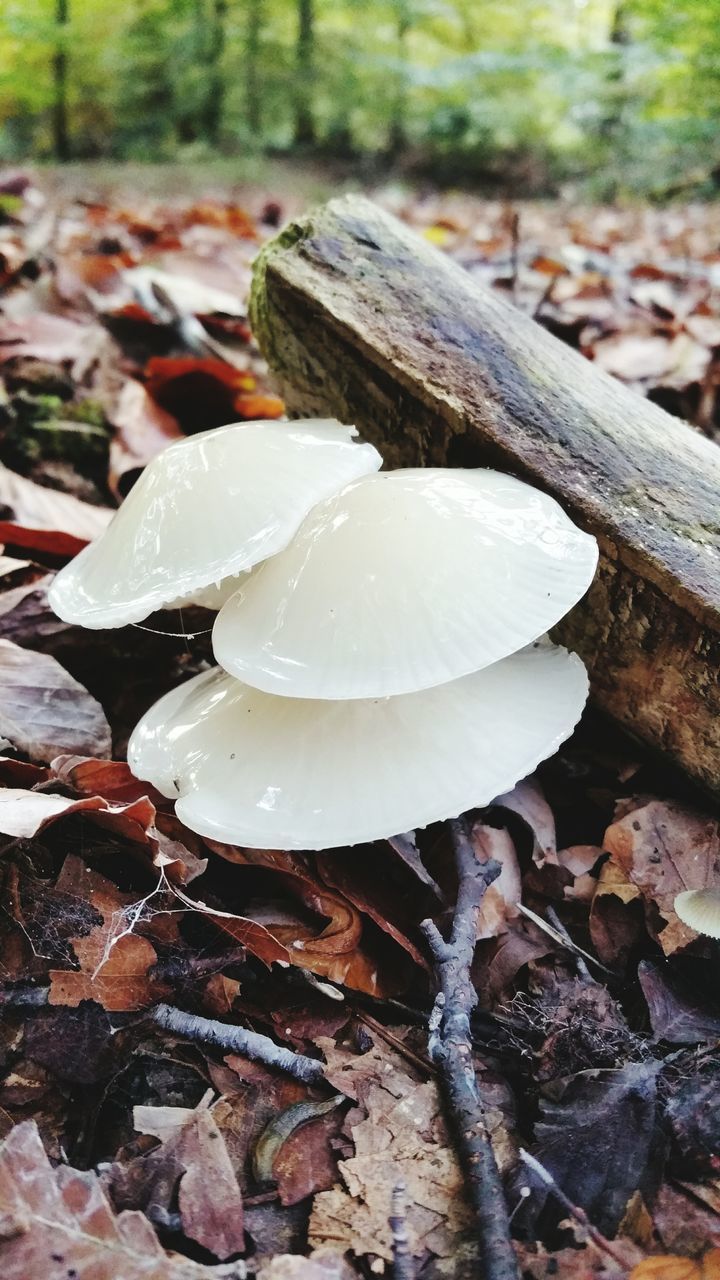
{"x": 204, "y": 510}
{"x": 262, "y": 771}
{"x": 700, "y": 910}
{"x": 403, "y": 581}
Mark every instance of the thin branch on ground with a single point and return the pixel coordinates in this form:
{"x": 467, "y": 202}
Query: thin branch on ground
{"x": 559, "y": 934}
{"x": 574, "y": 1210}
{"x": 250, "y": 1044}
{"x": 450, "y": 1048}
{"x": 403, "y": 1261}
{"x": 580, "y": 962}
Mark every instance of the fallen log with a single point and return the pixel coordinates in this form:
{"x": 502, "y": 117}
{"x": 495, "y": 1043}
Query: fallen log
{"x": 360, "y": 318}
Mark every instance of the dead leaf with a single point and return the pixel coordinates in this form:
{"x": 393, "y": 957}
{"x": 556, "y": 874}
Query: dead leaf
{"x": 323, "y": 1264}
{"x": 44, "y": 711}
{"x": 403, "y": 1138}
{"x": 528, "y": 802}
{"x": 42, "y": 519}
{"x": 113, "y": 971}
{"x": 662, "y": 849}
{"x": 142, "y": 430}
{"x": 209, "y": 1197}
{"x": 597, "y": 1138}
{"x": 499, "y": 904}
{"x": 53, "y": 338}
{"x": 57, "y": 1222}
{"x": 675, "y": 1015}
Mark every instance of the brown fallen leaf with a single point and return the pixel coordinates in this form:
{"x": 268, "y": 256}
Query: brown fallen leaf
{"x": 587, "y": 1263}
{"x": 399, "y": 1135}
{"x": 115, "y": 962}
{"x": 660, "y": 849}
{"x": 337, "y": 951}
{"x": 25, "y": 813}
{"x": 110, "y": 779}
{"x": 41, "y": 519}
{"x": 114, "y": 971}
{"x": 58, "y": 1222}
{"x": 209, "y": 1197}
{"x": 44, "y": 711}
{"x": 666, "y": 1266}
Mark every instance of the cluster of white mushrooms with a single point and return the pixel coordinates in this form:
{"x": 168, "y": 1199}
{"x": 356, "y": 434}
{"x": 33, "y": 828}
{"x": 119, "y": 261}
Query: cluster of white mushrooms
{"x": 383, "y": 664}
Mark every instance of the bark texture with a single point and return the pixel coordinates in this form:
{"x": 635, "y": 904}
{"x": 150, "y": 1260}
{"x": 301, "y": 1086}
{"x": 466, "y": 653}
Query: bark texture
{"x": 361, "y": 319}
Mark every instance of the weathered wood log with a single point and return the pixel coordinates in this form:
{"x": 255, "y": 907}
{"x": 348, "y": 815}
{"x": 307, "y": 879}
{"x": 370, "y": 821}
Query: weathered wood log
{"x": 360, "y": 318}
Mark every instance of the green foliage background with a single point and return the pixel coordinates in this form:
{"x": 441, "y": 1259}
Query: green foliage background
{"x": 622, "y": 96}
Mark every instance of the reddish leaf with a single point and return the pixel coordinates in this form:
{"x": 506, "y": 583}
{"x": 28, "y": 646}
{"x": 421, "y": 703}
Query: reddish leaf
{"x": 44, "y": 520}
{"x": 57, "y": 1222}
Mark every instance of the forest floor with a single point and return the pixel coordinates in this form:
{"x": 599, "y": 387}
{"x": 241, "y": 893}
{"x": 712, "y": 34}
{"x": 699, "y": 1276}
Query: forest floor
{"x": 141, "y": 1143}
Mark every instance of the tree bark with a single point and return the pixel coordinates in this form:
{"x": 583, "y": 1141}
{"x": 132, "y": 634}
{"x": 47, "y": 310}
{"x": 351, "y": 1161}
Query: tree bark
{"x": 61, "y": 136}
{"x": 305, "y": 68}
{"x": 397, "y": 135}
{"x": 361, "y": 319}
{"x": 215, "y": 99}
{"x": 253, "y": 87}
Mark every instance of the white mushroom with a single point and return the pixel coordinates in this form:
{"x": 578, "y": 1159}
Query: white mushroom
{"x": 700, "y": 910}
{"x": 271, "y": 772}
{"x": 403, "y": 581}
{"x": 205, "y": 510}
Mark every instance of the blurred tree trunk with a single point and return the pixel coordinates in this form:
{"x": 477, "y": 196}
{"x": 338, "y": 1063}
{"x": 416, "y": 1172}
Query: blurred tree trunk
{"x": 305, "y": 65}
{"x": 61, "y": 137}
{"x": 253, "y": 90}
{"x": 619, "y": 37}
{"x": 215, "y": 100}
{"x": 397, "y": 133}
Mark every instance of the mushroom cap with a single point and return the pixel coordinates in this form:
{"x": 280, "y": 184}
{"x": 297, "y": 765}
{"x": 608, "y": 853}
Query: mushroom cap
{"x": 403, "y": 581}
{"x": 700, "y": 910}
{"x": 205, "y": 509}
{"x": 262, "y": 771}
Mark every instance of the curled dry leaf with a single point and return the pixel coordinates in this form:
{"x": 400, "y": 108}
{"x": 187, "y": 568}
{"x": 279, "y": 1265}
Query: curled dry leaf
{"x": 337, "y": 951}
{"x": 528, "y": 802}
{"x": 500, "y": 901}
{"x": 58, "y": 1222}
{"x": 44, "y": 711}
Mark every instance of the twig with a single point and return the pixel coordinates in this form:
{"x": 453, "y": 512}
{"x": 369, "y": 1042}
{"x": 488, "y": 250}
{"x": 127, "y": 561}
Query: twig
{"x": 403, "y": 1261}
{"x": 574, "y": 1210}
{"x": 232, "y": 1039}
{"x": 580, "y": 962}
{"x": 559, "y": 933}
{"x": 450, "y": 1047}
